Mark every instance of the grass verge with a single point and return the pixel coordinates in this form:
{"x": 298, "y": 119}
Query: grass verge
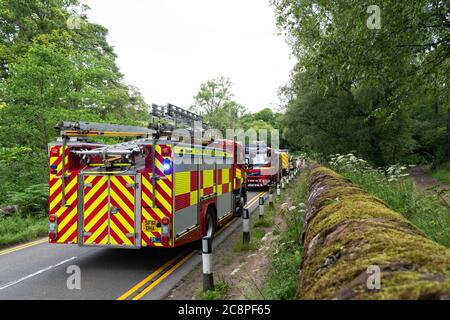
{"x": 219, "y": 293}
{"x": 427, "y": 212}
{"x": 16, "y": 229}
{"x": 442, "y": 174}
{"x": 282, "y": 281}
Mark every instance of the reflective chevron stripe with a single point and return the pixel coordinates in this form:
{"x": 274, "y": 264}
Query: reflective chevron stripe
{"x": 67, "y": 219}
{"x": 284, "y": 160}
{"x": 95, "y": 213}
{"x": 162, "y": 195}
{"x": 122, "y": 228}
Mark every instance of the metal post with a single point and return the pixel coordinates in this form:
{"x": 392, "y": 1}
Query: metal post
{"x": 261, "y": 207}
{"x": 63, "y": 172}
{"x": 246, "y": 226}
{"x": 208, "y": 279}
{"x": 271, "y": 197}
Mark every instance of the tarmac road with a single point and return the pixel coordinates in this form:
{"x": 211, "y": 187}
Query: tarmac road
{"x": 39, "y": 271}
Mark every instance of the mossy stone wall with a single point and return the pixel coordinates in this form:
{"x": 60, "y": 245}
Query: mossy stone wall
{"x": 347, "y": 231}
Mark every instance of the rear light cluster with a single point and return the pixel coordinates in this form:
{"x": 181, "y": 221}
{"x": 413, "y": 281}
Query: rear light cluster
{"x": 167, "y": 164}
{"x": 52, "y": 227}
{"x": 165, "y": 230}
{"x": 54, "y": 152}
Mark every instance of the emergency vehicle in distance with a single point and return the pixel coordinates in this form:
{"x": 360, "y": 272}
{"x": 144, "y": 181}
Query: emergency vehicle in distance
{"x": 285, "y": 161}
{"x": 156, "y": 191}
{"x": 263, "y": 168}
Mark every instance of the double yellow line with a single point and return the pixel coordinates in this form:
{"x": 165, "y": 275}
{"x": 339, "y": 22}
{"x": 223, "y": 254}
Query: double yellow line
{"x": 254, "y": 199}
{"x": 23, "y": 246}
{"x": 159, "y": 275}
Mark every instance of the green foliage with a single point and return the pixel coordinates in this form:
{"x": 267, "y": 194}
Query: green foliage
{"x": 49, "y": 73}
{"x": 21, "y": 167}
{"x": 282, "y": 282}
{"x": 351, "y": 230}
{"x": 425, "y": 211}
{"x": 32, "y": 200}
{"x": 215, "y": 103}
{"x": 442, "y": 174}
{"x": 219, "y": 293}
{"x": 256, "y": 234}
{"x": 17, "y": 229}
{"x": 382, "y": 93}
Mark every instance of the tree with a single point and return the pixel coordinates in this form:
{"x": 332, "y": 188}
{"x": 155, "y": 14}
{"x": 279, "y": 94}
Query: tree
{"x": 48, "y": 73}
{"x": 215, "y": 103}
{"x": 377, "y": 71}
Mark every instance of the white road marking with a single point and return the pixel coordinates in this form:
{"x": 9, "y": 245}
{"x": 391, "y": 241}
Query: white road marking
{"x": 36, "y": 273}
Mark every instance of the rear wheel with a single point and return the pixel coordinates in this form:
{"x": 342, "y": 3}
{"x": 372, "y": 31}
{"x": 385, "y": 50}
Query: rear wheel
{"x": 241, "y": 202}
{"x": 210, "y": 225}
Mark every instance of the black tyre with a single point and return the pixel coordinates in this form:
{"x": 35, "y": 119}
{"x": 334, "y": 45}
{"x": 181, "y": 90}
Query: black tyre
{"x": 210, "y": 223}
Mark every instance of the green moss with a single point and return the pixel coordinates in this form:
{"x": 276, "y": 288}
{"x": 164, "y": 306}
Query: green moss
{"x": 359, "y": 207}
{"x": 353, "y": 231}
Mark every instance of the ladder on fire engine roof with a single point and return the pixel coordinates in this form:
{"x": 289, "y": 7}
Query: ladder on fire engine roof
{"x": 121, "y": 154}
{"x": 191, "y": 121}
{"x": 155, "y": 130}
{"x": 91, "y": 129}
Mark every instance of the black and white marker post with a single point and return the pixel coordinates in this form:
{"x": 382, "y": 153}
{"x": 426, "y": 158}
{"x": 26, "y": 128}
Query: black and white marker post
{"x": 261, "y": 207}
{"x": 271, "y": 196}
{"x": 278, "y": 190}
{"x": 208, "y": 279}
{"x": 246, "y": 226}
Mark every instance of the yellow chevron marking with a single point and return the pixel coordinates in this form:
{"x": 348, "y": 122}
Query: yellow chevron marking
{"x": 146, "y": 215}
{"x": 55, "y": 186}
{"x": 97, "y": 217}
{"x": 58, "y": 198}
{"x": 147, "y": 184}
{"x": 73, "y": 198}
{"x": 166, "y": 189}
{"x": 95, "y": 204}
{"x": 92, "y": 191}
{"x": 124, "y": 222}
{"x": 119, "y": 234}
{"x": 68, "y": 233}
{"x": 94, "y": 236}
{"x": 148, "y": 201}
{"x": 89, "y": 179}
{"x": 155, "y": 210}
{"x": 121, "y": 204}
{"x": 163, "y": 201}
{"x": 56, "y": 201}
{"x": 129, "y": 179}
{"x": 125, "y": 192}
{"x": 68, "y": 218}
{"x": 52, "y": 160}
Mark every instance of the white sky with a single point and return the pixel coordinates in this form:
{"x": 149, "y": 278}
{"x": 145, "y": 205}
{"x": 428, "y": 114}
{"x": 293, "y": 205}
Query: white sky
{"x": 167, "y": 48}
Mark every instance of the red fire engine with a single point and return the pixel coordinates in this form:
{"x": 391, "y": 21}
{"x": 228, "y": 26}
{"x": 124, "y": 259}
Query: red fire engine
{"x": 262, "y": 166}
{"x": 157, "y": 191}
